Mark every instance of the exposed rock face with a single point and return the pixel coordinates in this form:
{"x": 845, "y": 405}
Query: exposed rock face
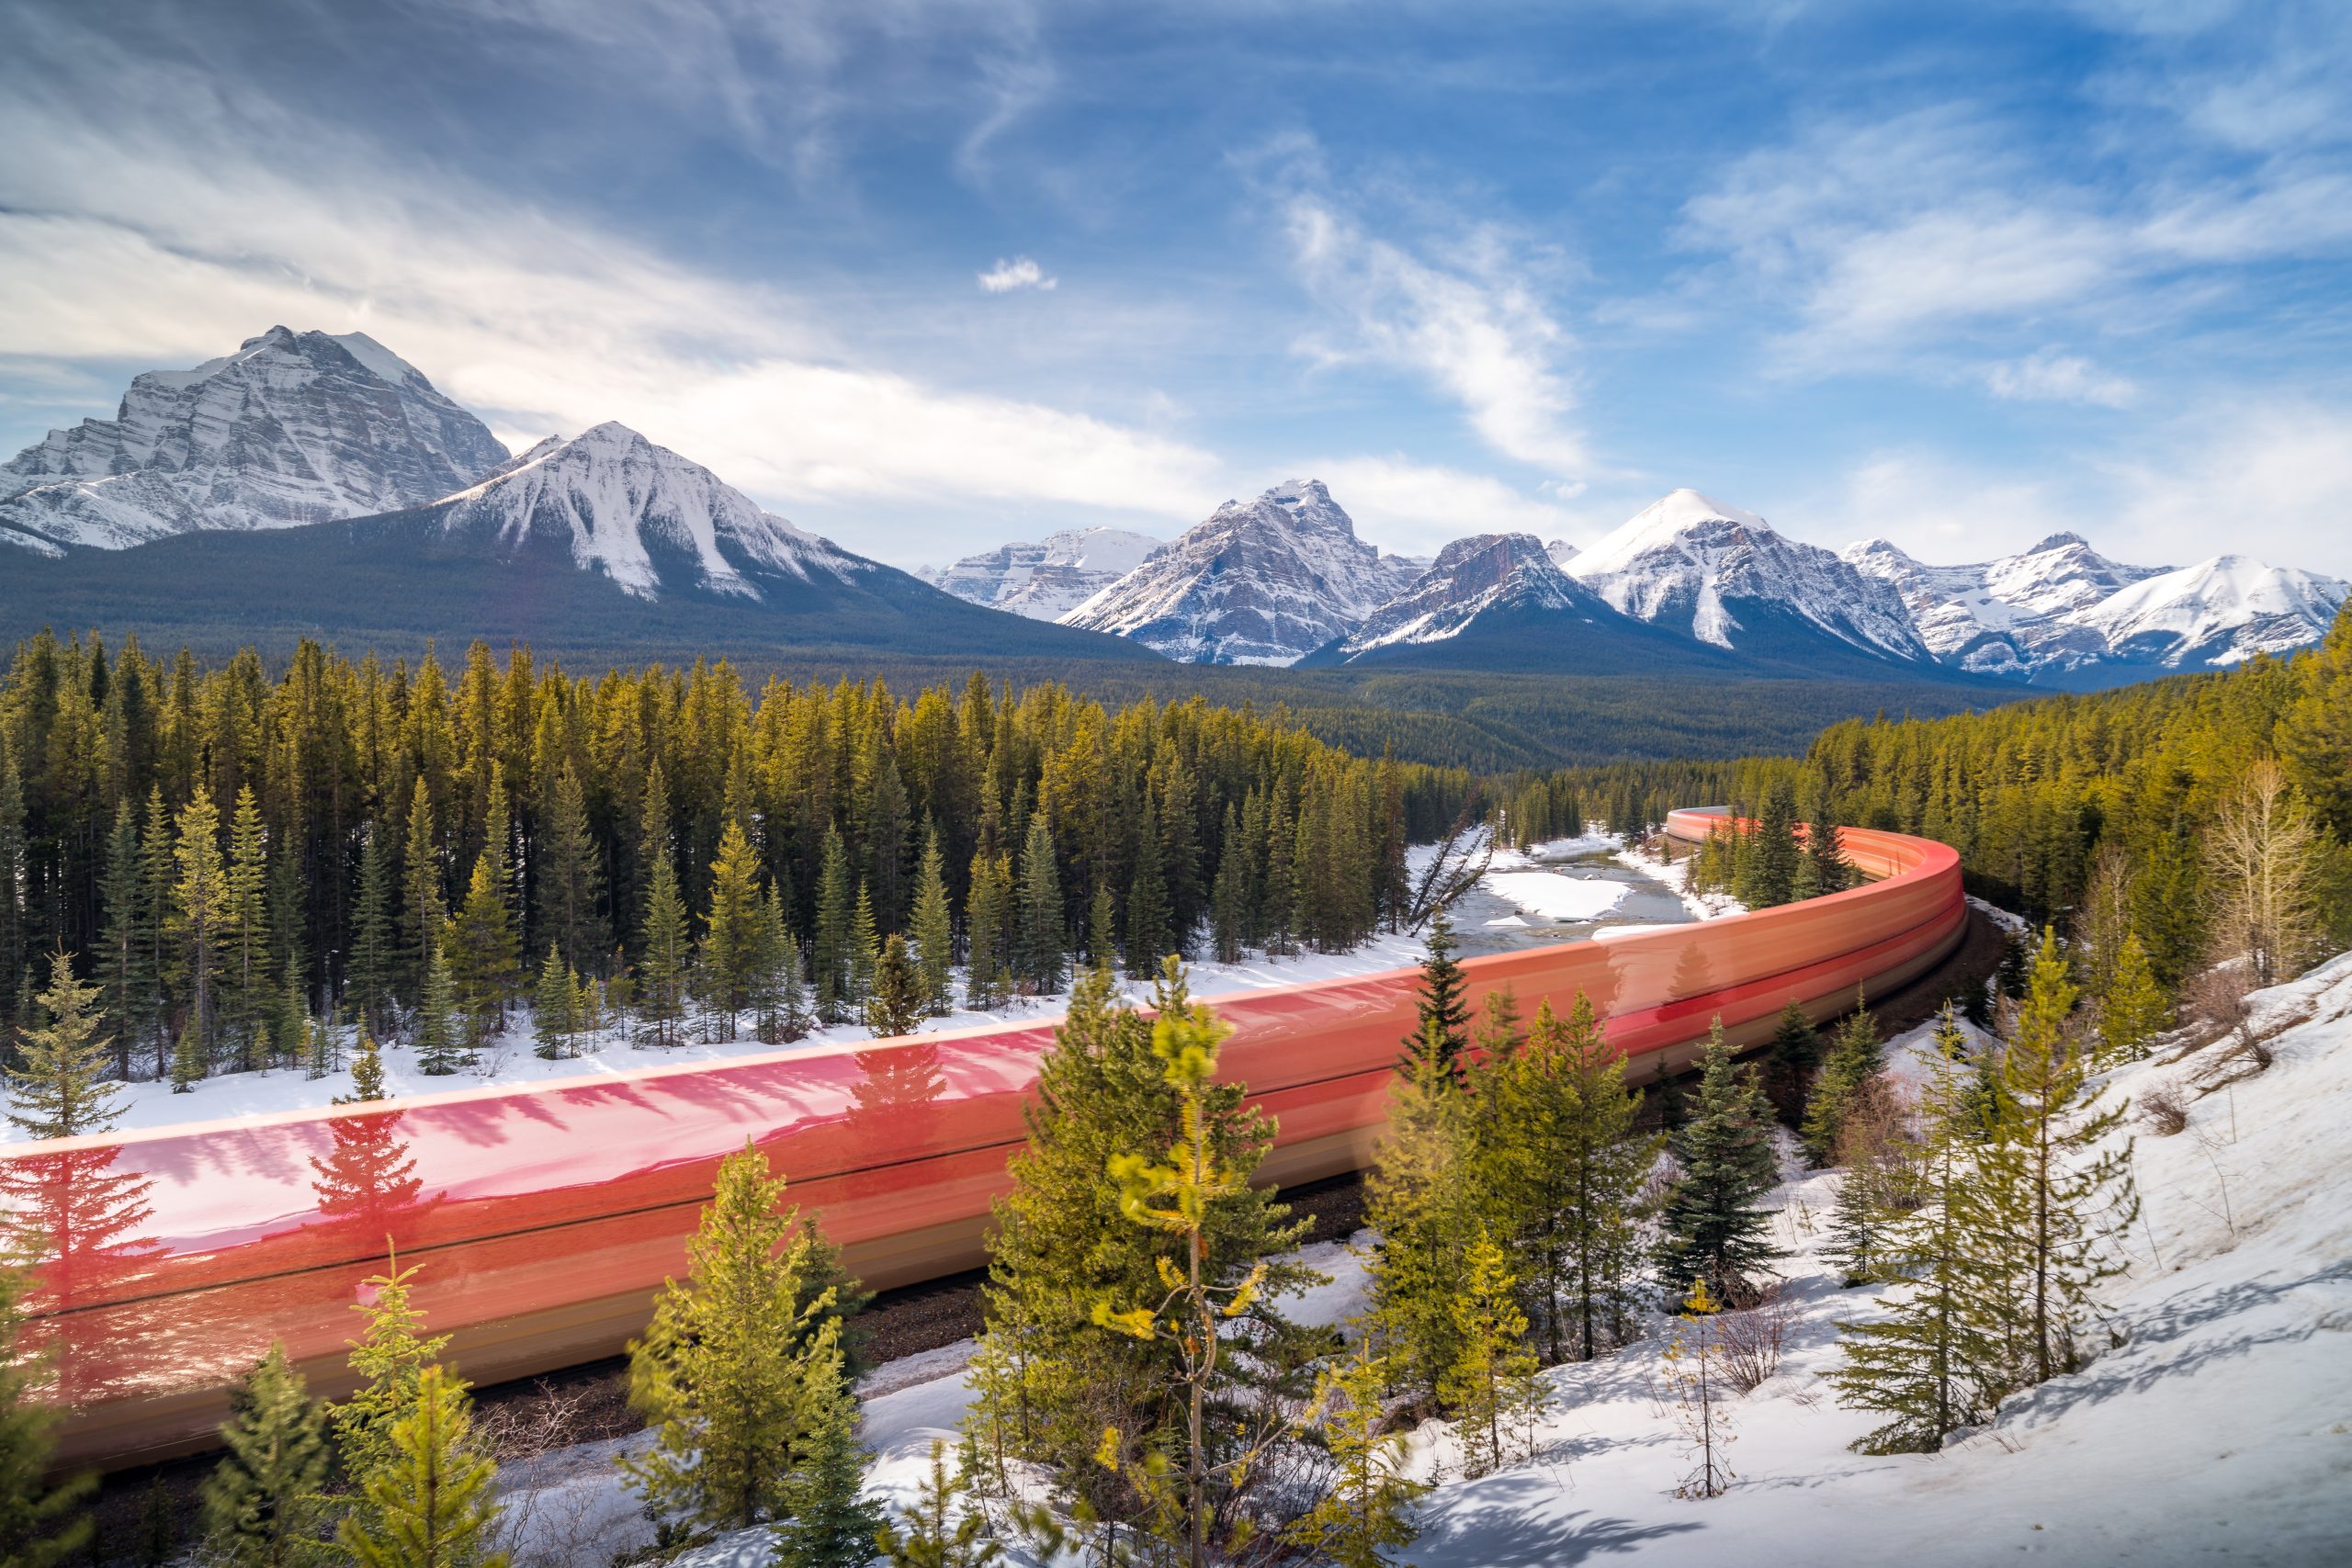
{"x": 1262, "y": 581}
{"x": 1487, "y": 574}
{"x": 1047, "y": 579}
{"x": 1724, "y": 577}
{"x": 292, "y": 428}
{"x": 2009, "y": 617}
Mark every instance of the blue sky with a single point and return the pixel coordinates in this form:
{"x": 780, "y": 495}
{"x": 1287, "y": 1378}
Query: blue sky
{"x": 928, "y": 277}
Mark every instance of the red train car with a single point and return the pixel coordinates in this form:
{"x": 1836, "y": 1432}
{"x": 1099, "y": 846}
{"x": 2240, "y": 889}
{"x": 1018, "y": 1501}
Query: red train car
{"x": 542, "y": 1218}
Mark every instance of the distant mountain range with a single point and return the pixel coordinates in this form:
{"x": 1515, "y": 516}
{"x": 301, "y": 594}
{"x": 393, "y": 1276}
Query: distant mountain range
{"x": 310, "y": 484}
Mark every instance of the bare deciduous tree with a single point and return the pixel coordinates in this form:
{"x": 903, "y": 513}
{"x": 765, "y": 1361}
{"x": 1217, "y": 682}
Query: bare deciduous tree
{"x": 2262, "y": 867}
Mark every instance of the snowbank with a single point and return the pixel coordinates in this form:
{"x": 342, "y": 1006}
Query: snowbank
{"x": 1555, "y": 896}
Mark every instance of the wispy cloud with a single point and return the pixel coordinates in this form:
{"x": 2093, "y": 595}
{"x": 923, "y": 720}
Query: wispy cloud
{"x": 2049, "y": 376}
{"x": 1417, "y": 508}
{"x": 1019, "y": 273}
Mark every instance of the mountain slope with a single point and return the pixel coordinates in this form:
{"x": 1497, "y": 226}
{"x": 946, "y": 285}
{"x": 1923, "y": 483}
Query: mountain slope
{"x": 2217, "y": 613}
{"x": 1263, "y": 581}
{"x": 292, "y": 428}
{"x": 605, "y": 545}
{"x": 1048, "y": 577}
{"x": 1497, "y": 602}
{"x": 1723, "y": 576}
{"x": 2007, "y": 617}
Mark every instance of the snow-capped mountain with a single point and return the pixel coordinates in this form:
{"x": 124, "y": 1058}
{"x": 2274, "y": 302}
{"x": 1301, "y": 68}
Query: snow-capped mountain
{"x": 1484, "y": 574}
{"x": 1262, "y": 581}
{"x": 2008, "y": 616}
{"x": 640, "y": 515}
{"x": 1047, "y": 579}
{"x": 2217, "y": 613}
{"x": 2061, "y": 613}
{"x": 1562, "y": 552}
{"x": 1723, "y": 576}
{"x": 292, "y": 428}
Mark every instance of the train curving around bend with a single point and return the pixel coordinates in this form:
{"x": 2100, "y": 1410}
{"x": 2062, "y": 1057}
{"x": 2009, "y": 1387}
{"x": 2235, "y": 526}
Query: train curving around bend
{"x": 541, "y": 1219}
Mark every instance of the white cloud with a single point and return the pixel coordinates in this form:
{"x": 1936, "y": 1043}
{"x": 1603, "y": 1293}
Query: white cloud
{"x": 1470, "y": 324}
{"x": 2049, "y": 376}
{"x": 150, "y": 222}
{"x": 1417, "y": 508}
{"x": 1019, "y": 273}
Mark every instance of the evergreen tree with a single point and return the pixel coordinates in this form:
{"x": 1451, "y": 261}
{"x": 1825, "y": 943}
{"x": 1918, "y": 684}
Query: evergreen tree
{"x": 565, "y": 868}
{"x": 933, "y": 931}
{"x": 200, "y": 899}
{"x": 13, "y": 867}
{"x": 366, "y": 1072}
{"x": 60, "y": 1090}
{"x": 389, "y": 1361}
{"x": 479, "y": 950}
{"x": 262, "y": 1502}
{"x": 735, "y": 935}
{"x": 551, "y": 1020}
{"x": 741, "y": 1364}
{"x": 1939, "y": 1358}
{"x": 1417, "y": 1205}
{"x": 1492, "y": 1386}
{"x": 1789, "y": 1061}
{"x": 1770, "y": 875}
{"x": 1560, "y": 1173}
{"x": 159, "y": 887}
{"x": 2060, "y": 1199}
{"x": 897, "y": 1005}
{"x": 1444, "y": 1004}
{"x": 2132, "y": 1010}
{"x": 865, "y": 947}
{"x": 41, "y": 1524}
{"x": 188, "y": 1062}
{"x": 126, "y": 962}
{"x": 420, "y": 881}
{"x": 1368, "y": 1511}
{"x": 430, "y": 1505}
{"x": 1042, "y": 945}
{"x": 779, "y": 999}
{"x": 1150, "y": 935}
{"x": 828, "y": 1523}
{"x": 661, "y": 971}
{"x": 375, "y": 938}
{"x": 987, "y": 916}
{"x": 835, "y": 948}
{"x": 440, "y": 1032}
{"x": 1230, "y": 896}
{"x": 936, "y": 1532}
{"x": 1714, "y": 1232}
{"x": 246, "y": 1003}
{"x": 1853, "y": 1059}
{"x": 1826, "y": 869}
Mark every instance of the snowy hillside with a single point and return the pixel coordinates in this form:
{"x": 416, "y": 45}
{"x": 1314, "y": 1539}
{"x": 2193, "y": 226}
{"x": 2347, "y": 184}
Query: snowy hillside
{"x": 1047, "y": 579}
{"x": 641, "y": 514}
{"x": 2061, "y": 608}
{"x": 1724, "y": 577}
{"x": 1262, "y": 582}
{"x": 292, "y": 428}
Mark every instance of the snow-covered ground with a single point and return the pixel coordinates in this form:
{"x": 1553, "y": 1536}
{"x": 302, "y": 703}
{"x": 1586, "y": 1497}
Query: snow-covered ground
{"x": 2218, "y": 1429}
{"x": 511, "y": 1060}
{"x": 1677, "y": 875}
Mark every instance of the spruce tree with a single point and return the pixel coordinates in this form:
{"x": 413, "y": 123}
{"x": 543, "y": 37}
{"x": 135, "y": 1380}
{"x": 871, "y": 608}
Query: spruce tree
{"x": 735, "y": 935}
{"x": 934, "y": 929}
{"x": 865, "y": 947}
{"x": 834, "y": 956}
{"x": 60, "y": 1088}
{"x": 1149, "y": 936}
{"x": 188, "y": 1062}
{"x": 126, "y": 966}
{"x": 1443, "y": 1021}
{"x": 1938, "y": 1359}
{"x": 1827, "y": 869}
{"x": 1042, "y": 945}
{"x": 987, "y": 916}
{"x": 829, "y": 1522}
{"x": 366, "y": 1072}
{"x": 666, "y": 956}
{"x": 1229, "y": 895}
{"x": 478, "y": 949}
{"x": 2132, "y": 1010}
{"x": 159, "y": 882}
{"x": 1715, "y": 1232}
{"x": 897, "y": 1004}
{"x": 1789, "y": 1061}
{"x": 741, "y": 1361}
{"x": 1852, "y": 1060}
{"x": 375, "y": 936}
{"x": 440, "y": 1030}
{"x": 200, "y": 899}
{"x": 42, "y": 1521}
{"x": 246, "y": 1004}
{"x": 430, "y": 1503}
{"x": 2062, "y": 1201}
{"x": 1101, "y": 927}
{"x": 565, "y": 869}
{"x": 1560, "y": 1170}
{"x": 1492, "y": 1388}
{"x": 1367, "y": 1512}
{"x": 1418, "y": 1204}
{"x": 420, "y": 890}
{"x": 551, "y": 1020}
{"x": 939, "y": 1531}
{"x": 1770, "y": 877}
{"x": 262, "y": 1502}
{"x": 388, "y": 1360}
{"x": 13, "y": 867}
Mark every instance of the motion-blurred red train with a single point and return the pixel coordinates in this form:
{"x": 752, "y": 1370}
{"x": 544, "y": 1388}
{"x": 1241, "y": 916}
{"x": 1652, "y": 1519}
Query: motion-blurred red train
{"x": 541, "y": 1219}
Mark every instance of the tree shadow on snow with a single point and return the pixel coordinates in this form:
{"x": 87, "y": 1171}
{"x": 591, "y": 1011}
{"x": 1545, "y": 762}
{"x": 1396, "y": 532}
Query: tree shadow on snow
{"x": 1499, "y": 1522}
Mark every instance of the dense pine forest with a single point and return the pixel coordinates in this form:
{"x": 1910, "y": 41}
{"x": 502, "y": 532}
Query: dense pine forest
{"x": 231, "y": 853}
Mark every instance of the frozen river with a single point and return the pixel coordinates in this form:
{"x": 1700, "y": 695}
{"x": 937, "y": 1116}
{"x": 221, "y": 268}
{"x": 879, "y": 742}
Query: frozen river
{"x": 1542, "y": 899}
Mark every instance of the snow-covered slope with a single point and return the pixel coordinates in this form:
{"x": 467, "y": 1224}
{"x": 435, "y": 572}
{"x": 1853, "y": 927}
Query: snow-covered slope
{"x": 1262, "y": 582}
{"x": 1562, "y": 552}
{"x": 292, "y": 428}
{"x": 2061, "y": 609}
{"x": 1723, "y": 576}
{"x": 1486, "y": 572}
{"x": 1047, "y": 579}
{"x": 641, "y": 514}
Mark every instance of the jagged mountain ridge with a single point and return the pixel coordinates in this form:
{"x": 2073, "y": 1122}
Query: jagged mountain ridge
{"x": 1045, "y": 578}
{"x": 1262, "y": 582}
{"x": 292, "y": 428}
{"x": 1724, "y": 577}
